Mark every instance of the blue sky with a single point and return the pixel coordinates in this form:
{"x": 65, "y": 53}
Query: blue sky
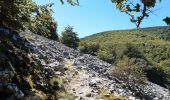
{"x": 94, "y": 16}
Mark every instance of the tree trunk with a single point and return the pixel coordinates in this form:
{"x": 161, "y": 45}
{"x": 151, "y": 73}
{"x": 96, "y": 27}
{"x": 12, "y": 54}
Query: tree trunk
{"x": 143, "y": 14}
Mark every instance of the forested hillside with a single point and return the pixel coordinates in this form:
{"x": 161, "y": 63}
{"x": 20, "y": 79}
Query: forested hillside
{"x": 152, "y": 45}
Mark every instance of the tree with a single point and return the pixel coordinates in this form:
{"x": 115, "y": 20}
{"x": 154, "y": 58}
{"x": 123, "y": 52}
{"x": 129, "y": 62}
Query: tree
{"x": 42, "y": 22}
{"x": 72, "y": 2}
{"x": 167, "y": 20}
{"x": 54, "y": 36}
{"x": 25, "y": 14}
{"x": 69, "y": 38}
{"x": 136, "y": 9}
{"x": 15, "y": 13}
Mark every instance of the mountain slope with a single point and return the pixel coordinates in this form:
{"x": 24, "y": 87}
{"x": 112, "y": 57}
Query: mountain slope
{"x": 151, "y": 44}
{"x": 40, "y": 68}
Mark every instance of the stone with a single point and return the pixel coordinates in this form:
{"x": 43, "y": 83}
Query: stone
{"x": 19, "y": 95}
{"x": 73, "y": 89}
{"x": 88, "y": 95}
{"x": 58, "y": 73}
{"x": 51, "y": 54}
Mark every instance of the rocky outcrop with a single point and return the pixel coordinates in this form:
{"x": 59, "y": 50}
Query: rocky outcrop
{"x": 36, "y": 60}
{"x": 8, "y": 90}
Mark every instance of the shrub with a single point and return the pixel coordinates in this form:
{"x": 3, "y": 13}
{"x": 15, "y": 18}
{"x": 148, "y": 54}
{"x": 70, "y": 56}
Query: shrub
{"x": 132, "y": 52}
{"x": 160, "y": 75}
{"x": 107, "y": 56}
{"x": 69, "y": 37}
{"x": 165, "y": 36}
{"x": 132, "y": 76}
{"x": 89, "y": 48}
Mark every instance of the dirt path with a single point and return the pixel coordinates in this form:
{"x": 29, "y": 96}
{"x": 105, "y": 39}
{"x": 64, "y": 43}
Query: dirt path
{"x": 80, "y": 84}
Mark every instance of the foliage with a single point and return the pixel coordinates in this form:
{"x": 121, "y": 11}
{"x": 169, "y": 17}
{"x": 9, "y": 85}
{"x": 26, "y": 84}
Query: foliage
{"x": 166, "y": 34}
{"x": 28, "y": 70}
{"x": 132, "y": 52}
{"x": 167, "y": 20}
{"x": 109, "y": 57}
{"x": 146, "y": 44}
{"x": 72, "y": 2}
{"x": 89, "y": 48}
{"x": 54, "y": 36}
{"x": 64, "y": 95}
{"x": 132, "y": 75}
{"x": 25, "y": 14}
{"x": 161, "y": 75}
{"x": 42, "y": 22}
{"x": 15, "y": 13}
{"x": 137, "y": 10}
{"x": 69, "y": 37}
{"x": 104, "y": 95}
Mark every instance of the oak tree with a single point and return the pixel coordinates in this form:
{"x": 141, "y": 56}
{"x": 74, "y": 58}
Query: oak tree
{"x": 136, "y": 9}
{"x": 167, "y": 20}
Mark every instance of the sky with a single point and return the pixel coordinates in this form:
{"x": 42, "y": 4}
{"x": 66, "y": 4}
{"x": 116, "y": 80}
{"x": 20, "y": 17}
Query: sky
{"x": 93, "y": 16}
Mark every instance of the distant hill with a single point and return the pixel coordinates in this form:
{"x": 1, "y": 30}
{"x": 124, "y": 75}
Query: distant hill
{"x": 151, "y": 44}
{"x": 156, "y": 30}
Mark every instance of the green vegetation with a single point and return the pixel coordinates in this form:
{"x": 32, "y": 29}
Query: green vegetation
{"x": 15, "y": 14}
{"x": 42, "y": 22}
{"x": 167, "y": 20}
{"x": 72, "y": 2}
{"x": 137, "y": 10}
{"x": 27, "y": 15}
{"x": 132, "y": 75}
{"x": 29, "y": 73}
{"x": 69, "y": 37}
{"x": 107, "y": 96}
{"x": 89, "y": 48}
{"x": 146, "y": 44}
{"x": 60, "y": 93}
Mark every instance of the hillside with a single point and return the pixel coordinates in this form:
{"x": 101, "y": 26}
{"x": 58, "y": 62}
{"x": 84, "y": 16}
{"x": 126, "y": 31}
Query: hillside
{"x": 151, "y": 44}
{"x": 115, "y": 34}
{"x": 33, "y": 67}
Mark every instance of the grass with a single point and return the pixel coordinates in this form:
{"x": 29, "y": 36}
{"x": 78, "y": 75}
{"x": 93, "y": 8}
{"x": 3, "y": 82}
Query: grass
{"x": 56, "y": 79}
{"x": 64, "y": 95}
{"x": 106, "y": 96}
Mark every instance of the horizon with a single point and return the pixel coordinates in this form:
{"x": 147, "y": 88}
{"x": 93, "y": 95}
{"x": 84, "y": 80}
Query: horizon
{"x": 94, "y": 17}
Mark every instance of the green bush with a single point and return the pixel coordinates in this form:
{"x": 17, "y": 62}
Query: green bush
{"x": 145, "y": 44}
{"x": 89, "y": 48}
{"x": 69, "y": 37}
{"x": 132, "y": 52}
{"x": 107, "y": 56}
{"x": 132, "y": 75}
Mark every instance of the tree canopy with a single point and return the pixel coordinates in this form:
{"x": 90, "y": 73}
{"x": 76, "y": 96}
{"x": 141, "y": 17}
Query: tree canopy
{"x": 136, "y": 9}
{"x": 25, "y": 14}
{"x": 42, "y": 22}
{"x": 69, "y": 37}
{"x": 72, "y": 2}
{"x": 16, "y": 13}
{"x": 167, "y": 20}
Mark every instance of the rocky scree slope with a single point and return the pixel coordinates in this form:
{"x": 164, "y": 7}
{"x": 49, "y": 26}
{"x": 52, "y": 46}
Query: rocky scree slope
{"x": 34, "y": 67}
